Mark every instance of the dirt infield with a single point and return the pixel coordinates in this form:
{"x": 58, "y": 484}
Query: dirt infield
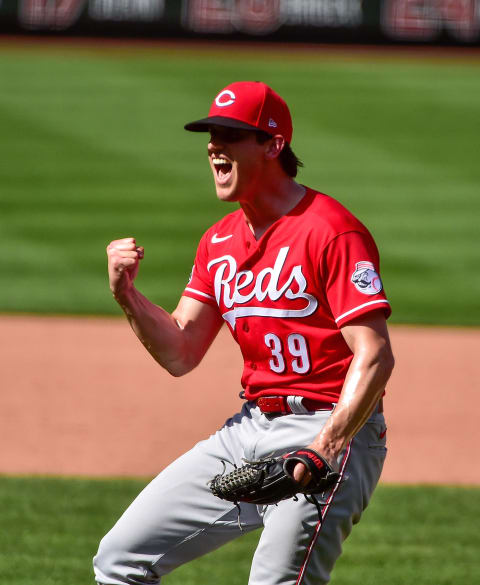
{"x": 82, "y": 397}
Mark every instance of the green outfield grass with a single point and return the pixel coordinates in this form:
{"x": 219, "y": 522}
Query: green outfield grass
{"x": 421, "y": 535}
{"x": 93, "y": 148}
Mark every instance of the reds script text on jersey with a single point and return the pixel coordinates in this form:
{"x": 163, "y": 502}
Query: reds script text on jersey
{"x": 286, "y": 295}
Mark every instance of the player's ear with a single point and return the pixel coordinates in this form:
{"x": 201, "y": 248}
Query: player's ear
{"x": 274, "y": 146}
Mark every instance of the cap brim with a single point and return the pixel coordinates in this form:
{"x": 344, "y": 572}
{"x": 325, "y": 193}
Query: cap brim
{"x": 203, "y": 125}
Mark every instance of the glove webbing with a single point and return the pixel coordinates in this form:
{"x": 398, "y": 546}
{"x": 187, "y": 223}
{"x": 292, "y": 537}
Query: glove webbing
{"x": 239, "y": 476}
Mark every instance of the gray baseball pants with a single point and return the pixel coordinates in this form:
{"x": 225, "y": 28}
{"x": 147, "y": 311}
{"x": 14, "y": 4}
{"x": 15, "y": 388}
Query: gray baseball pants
{"x": 176, "y": 518}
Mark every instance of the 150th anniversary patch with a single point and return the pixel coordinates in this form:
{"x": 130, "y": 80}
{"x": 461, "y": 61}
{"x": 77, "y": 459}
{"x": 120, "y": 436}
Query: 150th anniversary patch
{"x": 366, "y": 279}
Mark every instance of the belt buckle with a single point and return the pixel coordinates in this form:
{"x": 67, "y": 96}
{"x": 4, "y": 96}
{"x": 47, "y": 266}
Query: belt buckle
{"x": 272, "y": 404}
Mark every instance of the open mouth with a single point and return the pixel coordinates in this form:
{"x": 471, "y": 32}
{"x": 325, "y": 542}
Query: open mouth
{"x": 223, "y": 169}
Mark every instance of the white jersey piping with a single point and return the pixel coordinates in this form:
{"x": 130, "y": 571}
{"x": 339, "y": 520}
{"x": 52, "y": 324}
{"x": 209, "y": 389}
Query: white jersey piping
{"x": 197, "y": 292}
{"x": 360, "y": 307}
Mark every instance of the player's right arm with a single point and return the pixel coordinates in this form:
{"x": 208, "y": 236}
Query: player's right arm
{"x": 177, "y": 341}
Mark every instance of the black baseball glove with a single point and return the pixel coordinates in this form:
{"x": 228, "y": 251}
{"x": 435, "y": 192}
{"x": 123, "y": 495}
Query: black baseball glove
{"x": 270, "y": 480}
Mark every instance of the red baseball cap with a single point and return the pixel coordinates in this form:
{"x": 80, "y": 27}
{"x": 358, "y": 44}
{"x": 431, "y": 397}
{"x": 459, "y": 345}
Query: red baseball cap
{"x": 249, "y": 105}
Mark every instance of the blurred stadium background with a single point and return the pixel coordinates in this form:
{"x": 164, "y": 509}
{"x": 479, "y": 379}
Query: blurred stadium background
{"x": 93, "y": 148}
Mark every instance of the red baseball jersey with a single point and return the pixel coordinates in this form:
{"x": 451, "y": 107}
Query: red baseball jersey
{"x": 286, "y": 296}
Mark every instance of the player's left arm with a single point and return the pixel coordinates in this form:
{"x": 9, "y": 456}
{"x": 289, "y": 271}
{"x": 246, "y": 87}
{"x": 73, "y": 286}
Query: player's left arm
{"x": 369, "y": 371}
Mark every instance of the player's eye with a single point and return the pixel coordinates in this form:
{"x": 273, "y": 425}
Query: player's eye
{"x": 228, "y": 135}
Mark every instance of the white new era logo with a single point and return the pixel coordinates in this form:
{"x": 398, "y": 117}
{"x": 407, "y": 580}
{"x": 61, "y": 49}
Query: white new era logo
{"x": 272, "y": 123}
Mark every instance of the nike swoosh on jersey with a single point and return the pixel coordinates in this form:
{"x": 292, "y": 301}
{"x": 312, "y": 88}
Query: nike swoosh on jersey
{"x": 216, "y": 239}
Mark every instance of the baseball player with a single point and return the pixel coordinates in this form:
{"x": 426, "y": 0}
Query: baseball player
{"x": 295, "y": 276}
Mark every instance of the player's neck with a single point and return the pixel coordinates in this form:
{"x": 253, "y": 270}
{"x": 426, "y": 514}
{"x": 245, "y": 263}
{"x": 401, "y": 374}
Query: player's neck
{"x": 270, "y": 204}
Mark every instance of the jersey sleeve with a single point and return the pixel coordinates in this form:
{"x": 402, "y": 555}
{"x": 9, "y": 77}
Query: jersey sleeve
{"x": 350, "y": 272}
{"x": 199, "y": 285}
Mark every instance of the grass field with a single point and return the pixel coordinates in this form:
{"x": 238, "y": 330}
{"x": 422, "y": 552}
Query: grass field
{"x": 93, "y": 149}
{"x": 421, "y": 535}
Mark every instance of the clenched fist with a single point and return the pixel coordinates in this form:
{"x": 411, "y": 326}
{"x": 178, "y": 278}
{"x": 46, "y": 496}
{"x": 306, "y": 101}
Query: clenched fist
{"x": 123, "y": 258}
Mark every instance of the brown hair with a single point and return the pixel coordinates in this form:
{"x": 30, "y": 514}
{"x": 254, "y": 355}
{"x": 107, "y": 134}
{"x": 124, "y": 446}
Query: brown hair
{"x": 289, "y": 161}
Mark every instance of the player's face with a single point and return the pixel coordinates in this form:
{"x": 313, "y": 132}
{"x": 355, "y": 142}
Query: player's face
{"x": 236, "y": 160}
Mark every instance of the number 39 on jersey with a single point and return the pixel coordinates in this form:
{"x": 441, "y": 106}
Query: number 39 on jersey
{"x": 293, "y": 355}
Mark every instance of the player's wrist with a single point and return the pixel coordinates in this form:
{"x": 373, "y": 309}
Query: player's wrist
{"x": 124, "y": 295}
{"x": 329, "y": 450}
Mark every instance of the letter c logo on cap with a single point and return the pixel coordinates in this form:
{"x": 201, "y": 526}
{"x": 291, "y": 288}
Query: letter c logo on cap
{"x": 221, "y": 102}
